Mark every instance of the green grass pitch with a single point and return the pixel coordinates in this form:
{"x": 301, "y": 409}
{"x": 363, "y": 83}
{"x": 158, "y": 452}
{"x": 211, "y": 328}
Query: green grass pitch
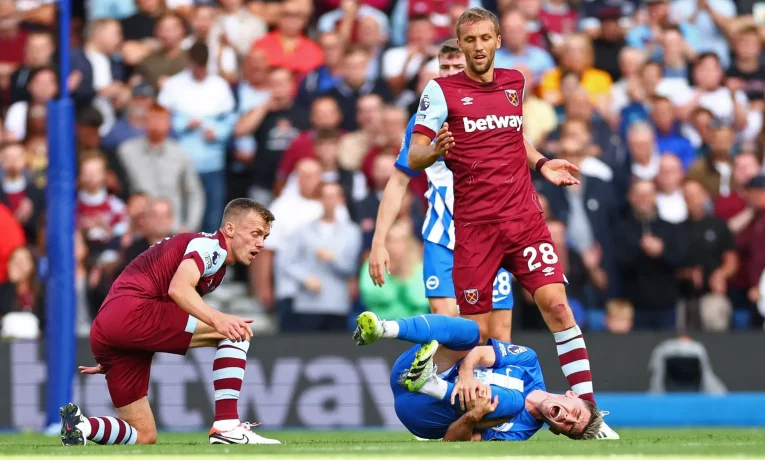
{"x": 643, "y": 444}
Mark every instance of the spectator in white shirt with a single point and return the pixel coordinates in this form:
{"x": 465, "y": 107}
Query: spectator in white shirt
{"x": 235, "y": 28}
{"x": 670, "y": 202}
{"x": 291, "y": 211}
{"x": 202, "y": 106}
{"x": 641, "y": 142}
{"x": 42, "y": 86}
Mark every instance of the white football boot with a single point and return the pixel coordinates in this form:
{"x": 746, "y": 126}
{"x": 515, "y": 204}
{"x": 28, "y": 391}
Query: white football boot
{"x": 241, "y": 434}
{"x": 606, "y": 433}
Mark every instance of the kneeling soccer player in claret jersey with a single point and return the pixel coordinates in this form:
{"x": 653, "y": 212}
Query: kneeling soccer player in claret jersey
{"x": 156, "y": 305}
{"x": 494, "y": 392}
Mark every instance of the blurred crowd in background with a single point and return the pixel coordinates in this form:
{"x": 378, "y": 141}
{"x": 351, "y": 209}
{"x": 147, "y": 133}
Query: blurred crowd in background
{"x": 302, "y": 105}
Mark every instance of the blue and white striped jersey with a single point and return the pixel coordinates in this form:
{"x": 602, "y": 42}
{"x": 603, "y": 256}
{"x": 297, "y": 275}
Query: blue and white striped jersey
{"x": 438, "y": 227}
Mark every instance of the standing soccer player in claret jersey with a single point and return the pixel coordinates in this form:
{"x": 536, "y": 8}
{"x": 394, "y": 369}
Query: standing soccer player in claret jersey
{"x": 498, "y": 219}
{"x": 156, "y": 305}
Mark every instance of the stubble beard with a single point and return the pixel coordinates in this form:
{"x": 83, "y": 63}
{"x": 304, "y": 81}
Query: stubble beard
{"x": 483, "y": 69}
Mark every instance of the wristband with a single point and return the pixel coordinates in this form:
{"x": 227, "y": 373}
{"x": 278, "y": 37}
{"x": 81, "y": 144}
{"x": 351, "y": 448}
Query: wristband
{"x": 541, "y": 163}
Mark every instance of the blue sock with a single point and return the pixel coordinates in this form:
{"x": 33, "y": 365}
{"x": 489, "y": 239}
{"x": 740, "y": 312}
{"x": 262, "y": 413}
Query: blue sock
{"x": 452, "y": 332}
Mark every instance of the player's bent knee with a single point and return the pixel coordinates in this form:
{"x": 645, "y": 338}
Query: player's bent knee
{"x": 205, "y": 336}
{"x": 443, "y": 306}
{"x": 147, "y": 437}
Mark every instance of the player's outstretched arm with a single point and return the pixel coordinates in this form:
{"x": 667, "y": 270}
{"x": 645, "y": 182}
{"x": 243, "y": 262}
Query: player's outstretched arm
{"x": 182, "y": 291}
{"x": 390, "y": 206}
{"x": 423, "y": 152}
{"x": 558, "y": 172}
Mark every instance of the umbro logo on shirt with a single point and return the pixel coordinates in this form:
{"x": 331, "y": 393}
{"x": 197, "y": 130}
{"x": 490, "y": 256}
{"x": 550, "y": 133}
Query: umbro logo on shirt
{"x": 467, "y": 100}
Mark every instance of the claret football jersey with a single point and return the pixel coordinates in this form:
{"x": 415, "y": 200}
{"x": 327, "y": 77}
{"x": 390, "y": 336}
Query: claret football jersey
{"x": 492, "y": 180}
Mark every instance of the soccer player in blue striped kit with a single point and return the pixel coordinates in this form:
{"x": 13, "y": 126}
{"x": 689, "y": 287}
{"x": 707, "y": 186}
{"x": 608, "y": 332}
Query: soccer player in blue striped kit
{"x": 494, "y": 392}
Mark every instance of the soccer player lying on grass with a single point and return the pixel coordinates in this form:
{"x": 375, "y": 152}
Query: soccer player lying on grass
{"x": 494, "y": 392}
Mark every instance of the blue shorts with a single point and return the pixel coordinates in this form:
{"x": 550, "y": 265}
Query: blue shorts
{"x": 438, "y": 262}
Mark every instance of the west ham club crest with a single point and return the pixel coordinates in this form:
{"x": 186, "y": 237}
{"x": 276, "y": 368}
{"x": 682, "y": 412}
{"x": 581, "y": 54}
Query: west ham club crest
{"x": 512, "y": 96}
{"x": 471, "y": 296}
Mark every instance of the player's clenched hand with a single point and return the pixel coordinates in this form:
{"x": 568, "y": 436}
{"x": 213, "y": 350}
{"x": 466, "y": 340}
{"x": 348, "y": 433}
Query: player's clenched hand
{"x": 444, "y": 140}
{"x": 559, "y": 172}
{"x": 233, "y": 327}
{"x": 484, "y": 404}
{"x": 92, "y": 370}
{"x": 466, "y": 389}
{"x": 379, "y": 261}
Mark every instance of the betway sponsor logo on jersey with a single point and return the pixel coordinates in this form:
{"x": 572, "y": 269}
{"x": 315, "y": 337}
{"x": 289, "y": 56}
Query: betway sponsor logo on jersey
{"x": 493, "y": 122}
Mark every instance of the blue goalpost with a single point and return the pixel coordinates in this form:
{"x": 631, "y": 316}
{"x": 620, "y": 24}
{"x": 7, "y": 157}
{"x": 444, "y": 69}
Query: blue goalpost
{"x": 60, "y": 295}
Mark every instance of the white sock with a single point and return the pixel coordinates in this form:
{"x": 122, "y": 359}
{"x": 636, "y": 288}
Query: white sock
{"x": 390, "y": 329}
{"x": 435, "y": 387}
{"x": 226, "y": 425}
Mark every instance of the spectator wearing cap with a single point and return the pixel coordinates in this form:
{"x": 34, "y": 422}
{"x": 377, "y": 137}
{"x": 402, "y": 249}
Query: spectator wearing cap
{"x": 264, "y": 133}
{"x": 42, "y": 86}
{"x": 710, "y": 263}
{"x": 747, "y": 72}
{"x": 650, "y": 36}
{"x": 670, "y": 202}
{"x": 715, "y": 170}
{"x": 25, "y": 200}
{"x": 354, "y": 85}
{"x": 402, "y": 64}
{"x": 202, "y": 106}
{"x": 235, "y": 28}
{"x": 609, "y": 44}
{"x": 517, "y": 51}
{"x": 325, "y": 122}
{"x": 102, "y": 74}
{"x": 159, "y": 167}
{"x": 38, "y": 52}
{"x": 668, "y": 135}
{"x": 133, "y": 123}
{"x": 323, "y": 79}
{"x": 578, "y": 58}
{"x": 286, "y": 46}
{"x": 751, "y": 243}
{"x": 170, "y": 59}
{"x": 649, "y": 252}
